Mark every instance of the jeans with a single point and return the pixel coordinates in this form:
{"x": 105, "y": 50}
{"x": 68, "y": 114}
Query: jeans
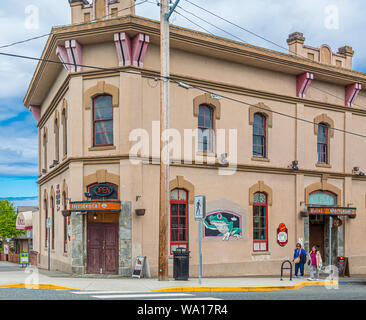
{"x": 312, "y": 270}
{"x": 301, "y": 266}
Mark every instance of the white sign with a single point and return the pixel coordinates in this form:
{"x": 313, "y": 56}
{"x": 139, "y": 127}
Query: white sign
{"x": 199, "y": 207}
{"x": 6, "y": 249}
{"x": 48, "y": 223}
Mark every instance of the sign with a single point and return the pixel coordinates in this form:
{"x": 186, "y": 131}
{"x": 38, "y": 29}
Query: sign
{"x": 342, "y": 265}
{"x": 24, "y": 220}
{"x": 337, "y": 222}
{"x": 141, "y": 267}
{"x": 103, "y": 191}
{"x": 282, "y": 235}
{"x": 6, "y": 249}
{"x": 48, "y": 223}
{"x": 332, "y": 211}
{"x": 24, "y": 258}
{"x": 199, "y": 207}
{"x": 95, "y": 206}
{"x": 223, "y": 224}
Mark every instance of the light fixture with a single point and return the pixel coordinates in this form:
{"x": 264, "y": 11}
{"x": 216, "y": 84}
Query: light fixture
{"x": 88, "y": 194}
{"x": 95, "y": 216}
{"x": 223, "y": 158}
{"x": 355, "y": 170}
{"x": 294, "y": 165}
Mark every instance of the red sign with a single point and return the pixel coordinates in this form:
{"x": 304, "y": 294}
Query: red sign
{"x": 282, "y": 235}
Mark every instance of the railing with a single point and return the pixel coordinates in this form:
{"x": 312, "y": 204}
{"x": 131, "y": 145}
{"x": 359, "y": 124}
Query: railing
{"x": 282, "y": 268}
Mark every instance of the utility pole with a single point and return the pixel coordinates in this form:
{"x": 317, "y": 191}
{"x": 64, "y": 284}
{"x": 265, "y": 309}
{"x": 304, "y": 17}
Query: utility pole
{"x": 165, "y": 13}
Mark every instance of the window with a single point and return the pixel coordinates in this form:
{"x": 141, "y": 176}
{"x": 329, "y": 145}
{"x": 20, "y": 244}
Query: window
{"x": 178, "y": 219}
{"x": 259, "y": 136}
{"x": 45, "y": 222}
{"x": 103, "y": 120}
{"x": 45, "y": 153}
{"x": 205, "y": 129}
{"x": 53, "y": 223}
{"x": 64, "y": 132}
{"x": 260, "y": 222}
{"x": 57, "y": 141}
{"x": 323, "y": 143}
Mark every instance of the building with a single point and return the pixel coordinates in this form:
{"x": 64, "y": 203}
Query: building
{"x": 104, "y": 207}
{"x": 24, "y": 243}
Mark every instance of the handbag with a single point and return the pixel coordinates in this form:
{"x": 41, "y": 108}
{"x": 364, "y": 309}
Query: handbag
{"x": 297, "y": 260}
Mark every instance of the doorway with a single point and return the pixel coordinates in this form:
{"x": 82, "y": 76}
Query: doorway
{"x": 102, "y": 243}
{"x": 316, "y": 232}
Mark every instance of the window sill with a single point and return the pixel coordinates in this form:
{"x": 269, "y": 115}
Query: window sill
{"x": 260, "y": 159}
{"x": 323, "y": 165}
{"x": 102, "y": 148}
{"x": 261, "y": 253}
{"x": 206, "y": 154}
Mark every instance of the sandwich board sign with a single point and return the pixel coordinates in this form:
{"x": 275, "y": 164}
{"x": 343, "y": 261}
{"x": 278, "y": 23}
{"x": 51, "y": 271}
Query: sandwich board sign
{"x": 24, "y": 258}
{"x": 141, "y": 268}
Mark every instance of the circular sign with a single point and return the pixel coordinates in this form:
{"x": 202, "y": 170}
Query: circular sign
{"x": 282, "y": 235}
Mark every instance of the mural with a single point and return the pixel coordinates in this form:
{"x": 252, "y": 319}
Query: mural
{"x": 222, "y": 224}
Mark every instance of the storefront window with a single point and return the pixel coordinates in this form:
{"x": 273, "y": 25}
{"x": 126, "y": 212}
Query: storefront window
{"x": 178, "y": 220}
{"x": 260, "y": 225}
{"x": 322, "y": 198}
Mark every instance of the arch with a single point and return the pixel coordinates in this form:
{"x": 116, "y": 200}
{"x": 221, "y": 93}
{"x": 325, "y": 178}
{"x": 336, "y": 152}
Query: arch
{"x": 45, "y": 195}
{"x": 262, "y": 109}
{"x": 53, "y": 197}
{"x": 45, "y": 134}
{"x": 101, "y": 88}
{"x": 323, "y": 186}
{"x": 101, "y": 176}
{"x": 180, "y": 183}
{"x": 323, "y": 118}
{"x": 56, "y": 121}
{"x": 207, "y": 100}
{"x": 260, "y": 187}
{"x": 64, "y": 109}
{"x": 64, "y": 190}
{"x": 326, "y": 54}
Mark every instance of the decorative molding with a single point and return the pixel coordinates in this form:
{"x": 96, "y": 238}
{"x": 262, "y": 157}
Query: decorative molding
{"x": 36, "y": 112}
{"x": 62, "y": 55}
{"x": 103, "y": 148}
{"x": 64, "y": 189}
{"x": 260, "y": 187}
{"x": 263, "y": 109}
{"x": 207, "y": 99}
{"x": 99, "y": 89}
{"x": 323, "y": 186}
{"x": 352, "y": 92}
{"x": 303, "y": 82}
{"x": 56, "y": 121}
{"x": 75, "y": 55}
{"x": 64, "y": 108}
{"x": 123, "y": 47}
{"x": 180, "y": 183}
{"x": 102, "y": 176}
{"x": 323, "y": 118}
{"x": 139, "y": 48}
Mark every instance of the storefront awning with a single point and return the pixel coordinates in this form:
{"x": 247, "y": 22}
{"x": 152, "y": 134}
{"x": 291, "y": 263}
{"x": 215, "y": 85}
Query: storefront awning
{"x": 24, "y": 220}
{"x": 332, "y": 211}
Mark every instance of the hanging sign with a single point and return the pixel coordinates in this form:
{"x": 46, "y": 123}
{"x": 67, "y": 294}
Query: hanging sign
{"x": 282, "y": 235}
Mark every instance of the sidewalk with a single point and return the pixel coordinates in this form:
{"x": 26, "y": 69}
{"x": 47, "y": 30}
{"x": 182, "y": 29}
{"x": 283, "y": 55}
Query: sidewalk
{"x": 15, "y": 276}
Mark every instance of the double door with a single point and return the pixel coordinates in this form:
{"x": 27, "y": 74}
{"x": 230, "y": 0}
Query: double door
{"x": 102, "y": 248}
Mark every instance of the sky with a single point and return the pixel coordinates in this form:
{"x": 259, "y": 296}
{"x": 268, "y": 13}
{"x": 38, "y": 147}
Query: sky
{"x": 335, "y": 22}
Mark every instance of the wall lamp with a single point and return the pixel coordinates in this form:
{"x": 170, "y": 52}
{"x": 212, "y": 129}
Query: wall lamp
{"x": 294, "y": 165}
{"x": 356, "y": 171}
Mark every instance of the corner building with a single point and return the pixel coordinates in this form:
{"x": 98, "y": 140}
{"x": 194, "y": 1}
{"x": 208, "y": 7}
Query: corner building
{"x": 306, "y": 177}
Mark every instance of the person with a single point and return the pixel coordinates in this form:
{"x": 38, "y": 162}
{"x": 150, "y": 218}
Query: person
{"x": 315, "y": 262}
{"x": 299, "y": 252}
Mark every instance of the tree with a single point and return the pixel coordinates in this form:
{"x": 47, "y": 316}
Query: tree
{"x": 8, "y": 217}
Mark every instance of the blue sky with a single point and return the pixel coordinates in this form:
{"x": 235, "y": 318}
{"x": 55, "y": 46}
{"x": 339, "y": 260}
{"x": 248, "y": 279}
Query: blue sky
{"x": 336, "y": 22}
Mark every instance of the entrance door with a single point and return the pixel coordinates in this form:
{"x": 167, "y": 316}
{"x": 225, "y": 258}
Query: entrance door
{"x": 316, "y": 236}
{"x": 102, "y": 249}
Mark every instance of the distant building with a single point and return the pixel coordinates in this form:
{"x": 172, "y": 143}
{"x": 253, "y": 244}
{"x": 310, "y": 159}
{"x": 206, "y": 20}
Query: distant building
{"x": 291, "y": 175}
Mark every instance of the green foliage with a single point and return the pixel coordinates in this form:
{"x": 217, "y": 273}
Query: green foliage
{"x": 8, "y": 217}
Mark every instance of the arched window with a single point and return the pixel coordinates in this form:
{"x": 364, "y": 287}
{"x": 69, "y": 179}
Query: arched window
{"x": 65, "y": 221}
{"x": 45, "y": 222}
{"x": 44, "y": 153}
{"x": 178, "y": 219}
{"x": 259, "y": 136}
{"x": 64, "y": 131}
{"x": 205, "y": 129}
{"x": 103, "y": 120}
{"x": 53, "y": 223}
{"x": 57, "y": 141}
{"x": 323, "y": 143}
{"x": 260, "y": 222}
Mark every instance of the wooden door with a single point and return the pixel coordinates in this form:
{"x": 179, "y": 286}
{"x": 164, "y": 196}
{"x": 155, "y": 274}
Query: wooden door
{"x": 317, "y": 237}
{"x": 102, "y": 249}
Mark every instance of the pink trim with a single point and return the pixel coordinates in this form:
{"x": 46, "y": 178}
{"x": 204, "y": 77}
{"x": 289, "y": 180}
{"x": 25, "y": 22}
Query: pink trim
{"x": 63, "y": 57}
{"x": 23, "y": 228}
{"x": 123, "y": 47}
{"x": 139, "y": 47}
{"x": 75, "y": 53}
{"x": 351, "y": 93}
{"x": 303, "y": 82}
{"x": 36, "y": 111}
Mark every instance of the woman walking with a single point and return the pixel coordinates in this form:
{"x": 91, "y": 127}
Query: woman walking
{"x": 315, "y": 262}
{"x": 299, "y": 260}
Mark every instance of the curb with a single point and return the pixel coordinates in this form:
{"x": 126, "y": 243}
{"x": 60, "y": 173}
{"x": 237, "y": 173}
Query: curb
{"x": 248, "y": 289}
{"x": 37, "y": 286}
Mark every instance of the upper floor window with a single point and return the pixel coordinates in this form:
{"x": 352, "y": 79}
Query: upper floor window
{"x": 102, "y": 120}
{"x": 64, "y": 132}
{"x": 259, "y": 136}
{"x": 57, "y": 141}
{"x": 323, "y": 143}
{"x": 45, "y": 222}
{"x": 205, "y": 129}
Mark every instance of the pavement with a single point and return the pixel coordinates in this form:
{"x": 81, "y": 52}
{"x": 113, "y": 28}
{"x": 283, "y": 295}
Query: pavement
{"x": 12, "y": 275}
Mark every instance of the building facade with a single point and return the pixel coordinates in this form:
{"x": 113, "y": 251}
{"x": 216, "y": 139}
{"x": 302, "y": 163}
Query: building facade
{"x": 289, "y": 173}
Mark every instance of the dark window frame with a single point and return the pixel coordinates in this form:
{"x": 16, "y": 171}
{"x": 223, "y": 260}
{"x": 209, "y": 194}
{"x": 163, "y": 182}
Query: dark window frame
{"x": 260, "y": 205}
{"x": 259, "y": 149}
{"x": 209, "y": 115}
{"x": 323, "y": 143}
{"x": 102, "y": 120}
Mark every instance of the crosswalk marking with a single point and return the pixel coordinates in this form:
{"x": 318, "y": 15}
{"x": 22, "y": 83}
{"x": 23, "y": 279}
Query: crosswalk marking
{"x": 150, "y": 295}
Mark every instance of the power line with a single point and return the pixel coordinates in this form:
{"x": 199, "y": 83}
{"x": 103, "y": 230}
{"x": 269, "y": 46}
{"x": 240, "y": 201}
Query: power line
{"x": 270, "y": 41}
{"x": 74, "y": 25}
{"x": 176, "y": 11}
{"x": 181, "y": 84}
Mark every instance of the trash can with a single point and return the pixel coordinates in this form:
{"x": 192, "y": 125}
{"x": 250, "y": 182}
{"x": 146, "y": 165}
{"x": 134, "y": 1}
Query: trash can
{"x": 181, "y": 264}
